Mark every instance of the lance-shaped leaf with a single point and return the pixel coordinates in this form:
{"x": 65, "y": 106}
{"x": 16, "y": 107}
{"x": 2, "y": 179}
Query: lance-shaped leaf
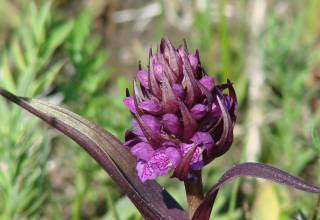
{"x": 253, "y": 170}
{"x": 150, "y": 198}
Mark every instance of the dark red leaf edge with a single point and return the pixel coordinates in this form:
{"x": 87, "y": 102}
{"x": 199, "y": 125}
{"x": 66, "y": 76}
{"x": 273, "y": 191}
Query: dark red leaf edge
{"x": 257, "y": 170}
{"x": 150, "y": 198}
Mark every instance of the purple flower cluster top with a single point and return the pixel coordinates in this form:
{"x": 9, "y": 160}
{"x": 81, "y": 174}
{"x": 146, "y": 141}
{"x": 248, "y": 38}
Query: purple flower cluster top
{"x": 182, "y": 118}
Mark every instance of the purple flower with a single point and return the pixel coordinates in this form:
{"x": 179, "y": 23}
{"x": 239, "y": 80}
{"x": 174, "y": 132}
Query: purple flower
{"x": 159, "y": 163}
{"x": 182, "y": 117}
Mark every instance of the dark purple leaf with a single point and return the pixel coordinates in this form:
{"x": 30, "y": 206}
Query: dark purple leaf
{"x": 150, "y": 198}
{"x": 253, "y": 170}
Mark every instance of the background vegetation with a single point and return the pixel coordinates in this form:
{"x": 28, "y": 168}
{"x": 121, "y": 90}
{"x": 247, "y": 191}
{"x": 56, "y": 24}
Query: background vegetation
{"x": 83, "y": 54}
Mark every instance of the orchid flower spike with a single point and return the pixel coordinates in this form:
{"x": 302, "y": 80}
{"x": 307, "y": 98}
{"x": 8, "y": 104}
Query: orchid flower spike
{"x": 182, "y": 118}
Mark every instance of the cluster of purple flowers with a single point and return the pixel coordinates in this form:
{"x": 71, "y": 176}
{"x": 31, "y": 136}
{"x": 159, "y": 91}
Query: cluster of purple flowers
{"x": 178, "y": 109}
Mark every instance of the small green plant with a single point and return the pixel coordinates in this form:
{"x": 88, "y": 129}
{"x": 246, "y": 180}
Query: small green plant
{"x": 27, "y": 67}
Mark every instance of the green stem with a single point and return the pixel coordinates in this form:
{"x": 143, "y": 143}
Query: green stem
{"x": 194, "y": 191}
{"x": 111, "y": 206}
{"x": 316, "y": 210}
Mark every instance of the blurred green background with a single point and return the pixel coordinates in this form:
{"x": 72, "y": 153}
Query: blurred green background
{"x": 84, "y": 53}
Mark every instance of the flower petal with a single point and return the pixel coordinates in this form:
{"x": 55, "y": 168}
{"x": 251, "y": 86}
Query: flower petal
{"x": 145, "y": 171}
{"x": 215, "y": 111}
{"x": 193, "y": 61}
{"x": 150, "y": 106}
{"x": 158, "y": 71}
{"x": 171, "y": 123}
{"x": 152, "y": 122}
{"x": 198, "y": 111}
{"x": 136, "y": 128}
{"x": 160, "y": 162}
{"x": 196, "y": 161}
{"x": 178, "y": 91}
{"x": 142, "y": 151}
{"x": 208, "y": 82}
{"x": 174, "y": 155}
{"x": 203, "y": 139}
{"x": 129, "y": 102}
{"x": 143, "y": 78}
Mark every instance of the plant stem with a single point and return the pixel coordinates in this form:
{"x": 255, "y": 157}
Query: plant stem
{"x": 316, "y": 210}
{"x": 194, "y": 191}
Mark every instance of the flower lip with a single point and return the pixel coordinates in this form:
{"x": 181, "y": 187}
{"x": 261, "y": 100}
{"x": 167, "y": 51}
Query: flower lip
{"x": 158, "y": 164}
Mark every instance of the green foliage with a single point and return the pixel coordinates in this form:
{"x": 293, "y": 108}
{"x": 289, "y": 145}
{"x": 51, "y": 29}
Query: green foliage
{"x": 85, "y": 88}
{"x": 225, "y": 40}
{"x": 30, "y": 52}
{"x": 205, "y": 33}
{"x": 88, "y": 61}
{"x": 27, "y": 68}
{"x": 288, "y": 63}
{"x": 316, "y": 140}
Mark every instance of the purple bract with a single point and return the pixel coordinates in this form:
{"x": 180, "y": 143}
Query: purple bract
{"x": 177, "y": 108}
